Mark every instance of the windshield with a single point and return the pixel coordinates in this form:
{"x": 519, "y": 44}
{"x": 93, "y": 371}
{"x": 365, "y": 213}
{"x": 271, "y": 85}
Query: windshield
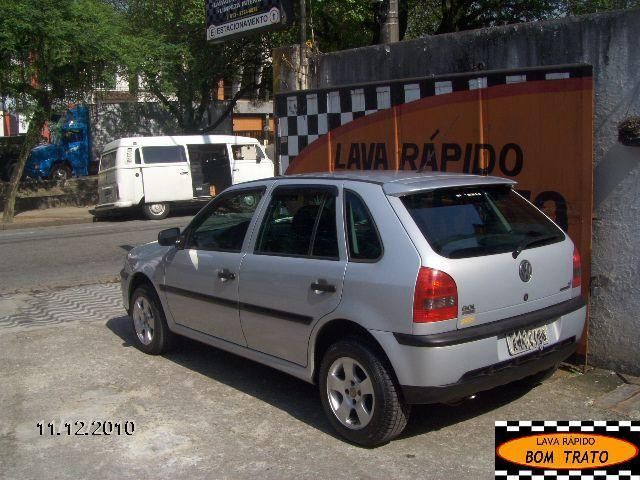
{"x": 477, "y": 221}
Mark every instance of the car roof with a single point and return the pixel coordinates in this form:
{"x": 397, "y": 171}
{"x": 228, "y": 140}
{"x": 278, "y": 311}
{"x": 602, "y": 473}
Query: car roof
{"x": 178, "y": 140}
{"x": 402, "y": 182}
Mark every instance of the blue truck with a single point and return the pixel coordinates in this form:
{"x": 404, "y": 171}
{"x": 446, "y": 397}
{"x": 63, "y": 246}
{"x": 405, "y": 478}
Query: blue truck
{"x": 69, "y": 153}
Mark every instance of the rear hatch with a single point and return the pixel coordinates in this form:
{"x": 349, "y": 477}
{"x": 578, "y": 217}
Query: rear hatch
{"x": 506, "y": 257}
{"x": 107, "y": 179}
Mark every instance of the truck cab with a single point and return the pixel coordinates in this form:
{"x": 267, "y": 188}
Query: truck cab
{"x": 68, "y": 153}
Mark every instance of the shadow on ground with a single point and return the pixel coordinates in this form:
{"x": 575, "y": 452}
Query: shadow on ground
{"x": 136, "y": 213}
{"x": 300, "y": 399}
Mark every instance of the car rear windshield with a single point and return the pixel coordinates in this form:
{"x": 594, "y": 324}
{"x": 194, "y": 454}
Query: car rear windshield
{"x": 473, "y": 222}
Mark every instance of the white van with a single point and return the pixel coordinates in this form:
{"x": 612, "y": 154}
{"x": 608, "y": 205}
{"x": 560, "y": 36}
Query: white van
{"x": 154, "y": 173}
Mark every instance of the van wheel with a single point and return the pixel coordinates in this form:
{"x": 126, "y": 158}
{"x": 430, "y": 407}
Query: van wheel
{"x": 155, "y": 211}
{"x": 152, "y": 334}
{"x": 359, "y": 394}
{"x": 60, "y": 173}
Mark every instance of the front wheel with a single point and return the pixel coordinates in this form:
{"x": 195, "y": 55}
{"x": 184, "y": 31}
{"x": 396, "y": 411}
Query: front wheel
{"x": 155, "y": 211}
{"x": 359, "y": 394}
{"x": 152, "y": 334}
{"x": 60, "y": 173}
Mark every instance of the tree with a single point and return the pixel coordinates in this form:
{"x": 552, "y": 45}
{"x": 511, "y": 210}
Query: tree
{"x": 180, "y": 68}
{"x": 51, "y": 53}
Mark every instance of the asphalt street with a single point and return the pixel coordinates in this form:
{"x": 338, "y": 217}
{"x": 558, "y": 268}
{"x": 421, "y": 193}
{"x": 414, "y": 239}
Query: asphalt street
{"x": 60, "y": 256}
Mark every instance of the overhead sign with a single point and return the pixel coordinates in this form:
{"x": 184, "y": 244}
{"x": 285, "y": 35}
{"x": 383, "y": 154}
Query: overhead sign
{"x": 228, "y": 19}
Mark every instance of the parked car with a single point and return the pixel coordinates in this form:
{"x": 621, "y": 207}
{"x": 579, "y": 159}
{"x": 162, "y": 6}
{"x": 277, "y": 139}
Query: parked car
{"x": 384, "y": 289}
{"x": 154, "y": 173}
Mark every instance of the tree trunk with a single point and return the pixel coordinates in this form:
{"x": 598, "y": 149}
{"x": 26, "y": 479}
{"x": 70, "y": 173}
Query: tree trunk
{"x": 31, "y": 140}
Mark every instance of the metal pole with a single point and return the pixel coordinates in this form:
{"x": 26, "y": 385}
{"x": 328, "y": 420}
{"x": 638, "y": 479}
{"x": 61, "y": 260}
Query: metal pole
{"x": 303, "y": 24}
{"x": 391, "y": 27}
{"x": 303, "y": 44}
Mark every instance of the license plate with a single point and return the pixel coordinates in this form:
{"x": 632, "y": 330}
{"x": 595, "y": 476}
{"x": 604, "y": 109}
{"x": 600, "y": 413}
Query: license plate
{"x": 527, "y": 340}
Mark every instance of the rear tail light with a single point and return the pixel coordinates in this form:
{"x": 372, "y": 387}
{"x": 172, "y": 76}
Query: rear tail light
{"x": 435, "y": 297}
{"x": 576, "y": 281}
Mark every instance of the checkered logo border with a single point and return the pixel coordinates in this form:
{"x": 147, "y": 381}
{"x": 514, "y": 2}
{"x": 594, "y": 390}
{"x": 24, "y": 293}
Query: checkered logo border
{"x": 305, "y": 116}
{"x": 604, "y": 427}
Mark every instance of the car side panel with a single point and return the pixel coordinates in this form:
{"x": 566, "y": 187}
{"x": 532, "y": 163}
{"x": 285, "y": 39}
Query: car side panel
{"x": 379, "y": 295}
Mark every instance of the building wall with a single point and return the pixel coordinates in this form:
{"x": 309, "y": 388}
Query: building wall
{"x": 110, "y": 121}
{"x": 610, "y": 43}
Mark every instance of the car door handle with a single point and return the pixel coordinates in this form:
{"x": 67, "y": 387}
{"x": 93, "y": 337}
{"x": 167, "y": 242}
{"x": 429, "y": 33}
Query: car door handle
{"x": 320, "y": 287}
{"x": 236, "y": 169}
{"x": 225, "y": 275}
{"x": 184, "y": 173}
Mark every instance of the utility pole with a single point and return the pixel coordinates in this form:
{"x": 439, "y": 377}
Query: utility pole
{"x": 391, "y": 26}
{"x": 302, "y": 70}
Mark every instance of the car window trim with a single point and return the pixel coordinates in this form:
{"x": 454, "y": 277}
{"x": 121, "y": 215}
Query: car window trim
{"x": 204, "y": 213}
{"x": 346, "y": 230}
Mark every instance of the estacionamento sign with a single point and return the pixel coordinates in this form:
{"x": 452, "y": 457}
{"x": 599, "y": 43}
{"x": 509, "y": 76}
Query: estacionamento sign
{"x": 233, "y": 18}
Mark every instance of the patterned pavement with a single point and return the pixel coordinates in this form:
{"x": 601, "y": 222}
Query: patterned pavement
{"x": 89, "y": 303}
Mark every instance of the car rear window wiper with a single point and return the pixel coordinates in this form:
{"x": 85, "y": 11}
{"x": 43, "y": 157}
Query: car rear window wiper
{"x": 531, "y": 241}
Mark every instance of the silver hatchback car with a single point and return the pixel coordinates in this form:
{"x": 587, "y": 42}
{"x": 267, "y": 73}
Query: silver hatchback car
{"x": 385, "y": 289}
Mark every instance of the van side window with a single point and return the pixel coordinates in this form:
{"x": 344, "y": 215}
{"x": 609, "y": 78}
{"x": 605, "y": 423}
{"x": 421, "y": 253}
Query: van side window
{"x": 138, "y": 161}
{"x": 362, "y": 235}
{"x": 168, "y": 154}
{"x": 250, "y": 153}
{"x": 224, "y": 226}
{"x": 300, "y": 222}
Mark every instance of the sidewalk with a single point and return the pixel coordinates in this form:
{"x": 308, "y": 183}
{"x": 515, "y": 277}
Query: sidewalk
{"x": 49, "y": 217}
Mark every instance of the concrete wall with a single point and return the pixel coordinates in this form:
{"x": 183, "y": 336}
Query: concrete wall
{"x": 611, "y": 44}
{"x": 110, "y": 121}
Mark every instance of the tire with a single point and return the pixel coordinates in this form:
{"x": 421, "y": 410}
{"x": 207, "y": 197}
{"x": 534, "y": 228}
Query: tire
{"x": 149, "y": 324}
{"x": 373, "y": 418}
{"x": 60, "y": 172}
{"x": 155, "y": 211}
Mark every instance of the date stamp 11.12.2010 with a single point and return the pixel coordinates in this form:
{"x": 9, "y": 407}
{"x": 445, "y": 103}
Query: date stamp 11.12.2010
{"x": 86, "y": 428}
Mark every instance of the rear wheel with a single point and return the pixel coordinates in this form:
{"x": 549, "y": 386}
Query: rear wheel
{"x": 359, "y": 394}
{"x": 155, "y": 211}
{"x": 60, "y": 173}
{"x": 152, "y": 335}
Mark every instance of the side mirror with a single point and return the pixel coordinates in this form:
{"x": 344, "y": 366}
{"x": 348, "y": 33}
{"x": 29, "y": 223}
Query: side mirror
{"x": 168, "y": 237}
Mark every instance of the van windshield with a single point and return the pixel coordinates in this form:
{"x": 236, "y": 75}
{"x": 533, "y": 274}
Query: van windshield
{"x": 477, "y": 221}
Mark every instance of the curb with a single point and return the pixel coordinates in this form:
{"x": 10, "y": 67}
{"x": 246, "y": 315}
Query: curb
{"x": 45, "y": 223}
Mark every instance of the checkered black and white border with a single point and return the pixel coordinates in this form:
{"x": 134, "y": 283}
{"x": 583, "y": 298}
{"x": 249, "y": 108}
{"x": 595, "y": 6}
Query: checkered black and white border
{"x": 571, "y": 426}
{"x": 566, "y": 475}
{"x": 305, "y": 116}
{"x": 553, "y": 426}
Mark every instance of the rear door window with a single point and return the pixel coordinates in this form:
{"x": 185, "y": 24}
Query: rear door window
{"x": 472, "y": 222}
{"x": 362, "y": 235}
{"x": 108, "y": 160}
{"x": 168, "y": 154}
{"x": 300, "y": 222}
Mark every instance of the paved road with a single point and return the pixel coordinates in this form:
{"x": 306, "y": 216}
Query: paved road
{"x": 69, "y": 255}
{"x": 201, "y": 413}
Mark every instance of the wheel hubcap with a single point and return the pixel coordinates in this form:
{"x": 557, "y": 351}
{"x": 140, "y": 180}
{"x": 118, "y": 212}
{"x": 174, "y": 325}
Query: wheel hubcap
{"x": 143, "y": 320}
{"x": 157, "y": 208}
{"x": 350, "y": 393}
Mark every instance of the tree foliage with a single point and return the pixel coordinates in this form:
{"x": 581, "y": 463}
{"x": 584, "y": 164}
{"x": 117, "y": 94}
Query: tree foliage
{"x": 54, "y": 52}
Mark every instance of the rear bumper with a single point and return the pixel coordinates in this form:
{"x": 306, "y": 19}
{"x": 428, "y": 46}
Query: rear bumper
{"x": 450, "y": 365}
{"x": 493, "y": 376}
{"x": 107, "y": 207}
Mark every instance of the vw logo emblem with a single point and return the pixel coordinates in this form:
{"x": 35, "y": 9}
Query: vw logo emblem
{"x": 525, "y": 270}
